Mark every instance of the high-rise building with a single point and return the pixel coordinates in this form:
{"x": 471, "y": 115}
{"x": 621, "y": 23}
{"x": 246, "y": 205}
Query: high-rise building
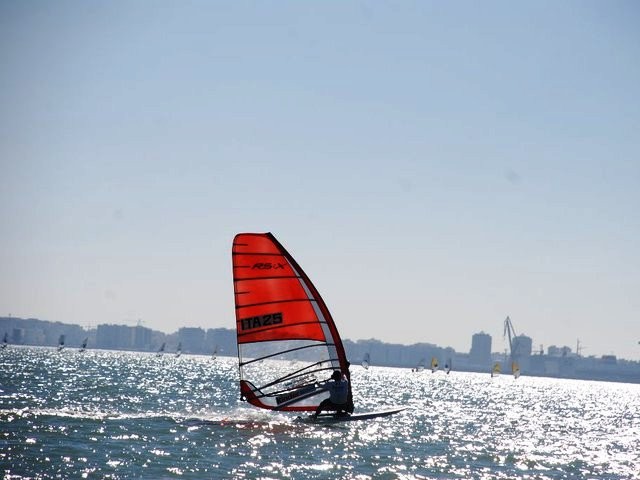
{"x": 114, "y": 336}
{"x": 223, "y": 340}
{"x": 522, "y": 346}
{"x": 192, "y": 339}
{"x": 141, "y": 338}
{"x": 17, "y": 336}
{"x": 480, "y": 353}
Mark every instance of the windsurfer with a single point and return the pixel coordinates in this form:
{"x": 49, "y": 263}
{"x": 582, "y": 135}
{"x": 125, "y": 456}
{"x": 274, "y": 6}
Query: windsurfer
{"x": 338, "y": 387}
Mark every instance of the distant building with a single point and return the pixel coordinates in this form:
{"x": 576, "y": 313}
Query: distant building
{"x": 480, "y": 353}
{"x": 192, "y": 339}
{"x": 522, "y": 346}
{"x": 222, "y": 339}
{"x": 142, "y": 338}
{"x": 114, "y": 336}
{"x": 34, "y": 336}
{"x": 17, "y": 336}
{"x": 393, "y": 354}
{"x": 554, "y": 351}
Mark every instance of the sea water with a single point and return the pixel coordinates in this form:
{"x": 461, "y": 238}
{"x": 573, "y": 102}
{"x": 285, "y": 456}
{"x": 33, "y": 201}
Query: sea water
{"x": 127, "y": 415}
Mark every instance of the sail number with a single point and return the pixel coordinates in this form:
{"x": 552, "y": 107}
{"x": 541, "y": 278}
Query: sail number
{"x": 268, "y": 266}
{"x": 261, "y": 321}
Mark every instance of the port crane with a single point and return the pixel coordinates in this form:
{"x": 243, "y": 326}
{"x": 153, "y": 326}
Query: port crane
{"x": 510, "y": 333}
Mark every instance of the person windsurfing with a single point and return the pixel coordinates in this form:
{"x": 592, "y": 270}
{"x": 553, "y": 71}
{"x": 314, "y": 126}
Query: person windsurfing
{"x": 338, "y": 401}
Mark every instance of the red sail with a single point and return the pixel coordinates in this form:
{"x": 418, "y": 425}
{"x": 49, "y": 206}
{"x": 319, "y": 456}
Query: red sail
{"x": 287, "y": 340}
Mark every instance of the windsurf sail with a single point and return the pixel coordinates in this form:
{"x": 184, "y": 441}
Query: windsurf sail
{"x": 83, "y": 347}
{"x": 448, "y": 366}
{"x": 366, "y": 361}
{"x": 288, "y": 343}
{"x": 495, "y": 371}
{"x": 434, "y": 364}
{"x": 179, "y": 349}
{"x": 161, "y": 349}
{"x": 5, "y": 340}
{"x": 215, "y": 352}
{"x": 420, "y": 366}
{"x": 515, "y": 369}
{"x": 61, "y": 342}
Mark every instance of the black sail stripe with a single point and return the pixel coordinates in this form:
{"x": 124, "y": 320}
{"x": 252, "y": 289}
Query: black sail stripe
{"x": 274, "y": 327}
{"x": 271, "y": 302}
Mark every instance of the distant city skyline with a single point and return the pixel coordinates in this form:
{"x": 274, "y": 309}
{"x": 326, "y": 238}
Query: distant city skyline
{"x": 558, "y": 362}
{"x": 496, "y": 345}
{"x": 433, "y": 167}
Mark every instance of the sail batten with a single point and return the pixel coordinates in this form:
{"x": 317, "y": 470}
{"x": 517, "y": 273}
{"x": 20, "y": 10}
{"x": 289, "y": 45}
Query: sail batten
{"x": 286, "y": 337}
{"x": 297, "y": 374}
{"x": 279, "y": 353}
{"x": 274, "y": 301}
{"x": 272, "y": 278}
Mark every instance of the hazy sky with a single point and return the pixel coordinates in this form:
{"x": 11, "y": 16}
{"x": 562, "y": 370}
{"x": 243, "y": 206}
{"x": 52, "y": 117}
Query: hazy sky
{"x": 433, "y": 166}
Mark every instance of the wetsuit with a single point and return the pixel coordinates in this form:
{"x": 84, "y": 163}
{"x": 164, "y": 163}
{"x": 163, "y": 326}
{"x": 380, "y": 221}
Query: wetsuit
{"x": 338, "y": 396}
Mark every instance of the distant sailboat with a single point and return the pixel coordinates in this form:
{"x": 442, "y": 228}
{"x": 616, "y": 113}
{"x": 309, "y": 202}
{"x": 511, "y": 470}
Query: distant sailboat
{"x": 434, "y": 364}
{"x": 5, "y": 341}
{"x": 448, "y": 366}
{"x": 161, "y": 349}
{"x": 495, "y": 371}
{"x": 366, "y": 361}
{"x": 515, "y": 369}
{"x": 215, "y": 352}
{"x": 61, "y": 342}
{"x": 179, "y": 349}
{"x": 420, "y": 366}
{"x": 83, "y": 347}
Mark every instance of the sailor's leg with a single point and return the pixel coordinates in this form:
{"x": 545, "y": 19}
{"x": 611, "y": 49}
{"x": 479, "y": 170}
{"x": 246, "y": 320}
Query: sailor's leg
{"x": 349, "y": 406}
{"x": 322, "y": 406}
